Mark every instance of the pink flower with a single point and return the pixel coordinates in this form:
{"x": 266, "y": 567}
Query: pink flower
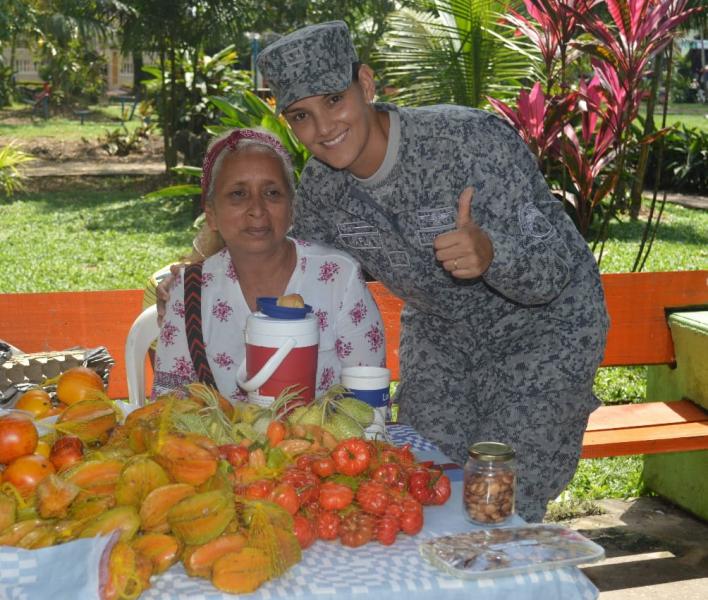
{"x": 224, "y": 360}
{"x": 231, "y": 272}
{"x": 375, "y": 337}
{"x": 184, "y": 369}
{"x": 303, "y": 263}
{"x": 207, "y": 278}
{"x": 342, "y": 348}
{"x": 303, "y": 243}
{"x": 326, "y": 379}
{"x": 168, "y": 333}
{"x": 222, "y": 311}
{"x": 358, "y": 313}
{"x": 327, "y": 271}
{"x": 178, "y": 307}
{"x": 322, "y": 318}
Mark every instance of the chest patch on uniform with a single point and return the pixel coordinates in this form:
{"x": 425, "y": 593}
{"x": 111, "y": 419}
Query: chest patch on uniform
{"x": 359, "y": 235}
{"x": 533, "y": 222}
{"x": 434, "y": 221}
{"x": 398, "y": 258}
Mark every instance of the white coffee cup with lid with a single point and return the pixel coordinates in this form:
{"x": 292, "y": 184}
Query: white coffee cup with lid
{"x": 371, "y": 385}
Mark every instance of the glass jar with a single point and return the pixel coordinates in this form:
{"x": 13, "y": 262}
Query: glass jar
{"x": 489, "y": 483}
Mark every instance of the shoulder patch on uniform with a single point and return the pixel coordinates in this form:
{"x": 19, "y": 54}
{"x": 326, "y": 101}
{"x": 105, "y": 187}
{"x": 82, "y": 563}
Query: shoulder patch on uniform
{"x": 533, "y": 222}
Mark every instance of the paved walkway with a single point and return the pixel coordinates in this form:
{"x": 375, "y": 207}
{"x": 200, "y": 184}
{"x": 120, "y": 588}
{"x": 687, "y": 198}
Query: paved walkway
{"x": 653, "y": 551}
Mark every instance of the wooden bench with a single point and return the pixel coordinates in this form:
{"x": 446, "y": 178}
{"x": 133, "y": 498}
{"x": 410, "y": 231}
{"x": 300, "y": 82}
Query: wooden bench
{"x": 639, "y": 335}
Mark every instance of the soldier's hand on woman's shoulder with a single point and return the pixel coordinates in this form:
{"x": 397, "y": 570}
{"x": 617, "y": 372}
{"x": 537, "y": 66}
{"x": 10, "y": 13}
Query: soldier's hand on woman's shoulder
{"x": 163, "y": 289}
{"x": 466, "y": 252}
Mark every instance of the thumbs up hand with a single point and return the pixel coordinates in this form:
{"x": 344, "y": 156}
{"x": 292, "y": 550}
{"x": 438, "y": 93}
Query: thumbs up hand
{"x": 466, "y": 252}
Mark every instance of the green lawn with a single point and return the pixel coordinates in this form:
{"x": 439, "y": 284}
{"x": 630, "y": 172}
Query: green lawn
{"x": 15, "y": 123}
{"x": 105, "y": 236}
{"x": 690, "y": 115}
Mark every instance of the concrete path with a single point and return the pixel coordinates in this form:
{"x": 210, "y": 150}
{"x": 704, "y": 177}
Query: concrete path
{"x": 653, "y": 551}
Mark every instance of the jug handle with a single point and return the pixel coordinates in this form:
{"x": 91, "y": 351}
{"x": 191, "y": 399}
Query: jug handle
{"x": 266, "y": 370}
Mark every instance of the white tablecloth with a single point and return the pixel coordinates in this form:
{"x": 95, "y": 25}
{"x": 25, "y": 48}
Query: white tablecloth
{"x": 327, "y": 570}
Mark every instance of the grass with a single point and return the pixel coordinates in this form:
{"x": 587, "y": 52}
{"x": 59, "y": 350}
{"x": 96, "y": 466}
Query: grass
{"x": 690, "y": 115}
{"x": 14, "y": 123}
{"x": 100, "y": 235}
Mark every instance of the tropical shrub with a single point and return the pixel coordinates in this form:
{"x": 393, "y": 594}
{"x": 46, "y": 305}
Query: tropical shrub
{"x": 11, "y": 179}
{"x": 685, "y": 163}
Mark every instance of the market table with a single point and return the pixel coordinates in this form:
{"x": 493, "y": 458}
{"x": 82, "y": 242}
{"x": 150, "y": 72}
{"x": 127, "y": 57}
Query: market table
{"x": 327, "y": 569}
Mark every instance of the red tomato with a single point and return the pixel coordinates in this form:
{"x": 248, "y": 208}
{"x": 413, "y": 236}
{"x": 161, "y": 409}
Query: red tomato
{"x": 285, "y": 496}
{"x": 357, "y": 529}
{"x": 65, "y": 452}
{"x": 411, "y": 516}
{"x": 372, "y": 497}
{"x": 391, "y": 475}
{"x": 441, "y": 489}
{"x": 259, "y": 489}
{"x": 420, "y": 485}
{"x": 327, "y": 525}
{"x": 387, "y": 527}
{"x": 323, "y": 466}
{"x": 335, "y": 496}
{"x": 234, "y": 454}
{"x": 306, "y": 484}
{"x": 304, "y": 531}
{"x": 352, "y": 456}
{"x": 26, "y": 472}
{"x": 304, "y": 461}
{"x": 18, "y": 437}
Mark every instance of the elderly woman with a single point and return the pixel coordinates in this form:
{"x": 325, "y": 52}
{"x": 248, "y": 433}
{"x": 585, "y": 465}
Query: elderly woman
{"x": 247, "y": 192}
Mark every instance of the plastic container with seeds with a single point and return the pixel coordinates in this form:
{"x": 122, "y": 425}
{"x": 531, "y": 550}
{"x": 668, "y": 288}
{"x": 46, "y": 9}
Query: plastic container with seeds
{"x": 489, "y": 483}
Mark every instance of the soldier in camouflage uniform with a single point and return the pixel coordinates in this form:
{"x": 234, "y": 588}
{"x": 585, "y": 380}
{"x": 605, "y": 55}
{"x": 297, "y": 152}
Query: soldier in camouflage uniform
{"x": 505, "y": 322}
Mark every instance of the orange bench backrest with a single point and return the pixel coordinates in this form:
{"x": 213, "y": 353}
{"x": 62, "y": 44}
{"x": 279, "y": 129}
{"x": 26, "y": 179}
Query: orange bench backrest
{"x": 637, "y": 302}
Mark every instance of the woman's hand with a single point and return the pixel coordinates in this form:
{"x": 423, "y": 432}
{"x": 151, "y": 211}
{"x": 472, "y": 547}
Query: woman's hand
{"x": 162, "y": 292}
{"x": 466, "y": 252}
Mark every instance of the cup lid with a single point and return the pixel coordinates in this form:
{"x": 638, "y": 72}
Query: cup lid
{"x": 269, "y": 307}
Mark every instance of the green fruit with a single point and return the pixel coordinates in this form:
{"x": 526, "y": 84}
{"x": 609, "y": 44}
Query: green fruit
{"x": 342, "y": 427}
{"x": 296, "y": 414}
{"x": 361, "y": 412}
{"x": 312, "y": 415}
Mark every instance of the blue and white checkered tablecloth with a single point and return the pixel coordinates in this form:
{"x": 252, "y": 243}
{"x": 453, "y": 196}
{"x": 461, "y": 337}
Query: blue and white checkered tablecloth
{"x": 327, "y": 570}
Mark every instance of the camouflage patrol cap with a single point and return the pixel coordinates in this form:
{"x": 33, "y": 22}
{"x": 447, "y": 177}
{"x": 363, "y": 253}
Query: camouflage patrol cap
{"x": 310, "y": 61}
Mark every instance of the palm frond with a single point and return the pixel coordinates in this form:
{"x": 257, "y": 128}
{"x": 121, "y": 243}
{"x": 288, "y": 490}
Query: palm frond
{"x": 459, "y": 53}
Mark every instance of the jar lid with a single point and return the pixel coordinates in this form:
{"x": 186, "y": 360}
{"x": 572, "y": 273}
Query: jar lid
{"x": 491, "y": 451}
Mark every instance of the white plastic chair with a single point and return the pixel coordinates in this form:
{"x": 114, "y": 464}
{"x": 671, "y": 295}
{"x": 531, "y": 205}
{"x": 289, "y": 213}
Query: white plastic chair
{"x": 143, "y": 332}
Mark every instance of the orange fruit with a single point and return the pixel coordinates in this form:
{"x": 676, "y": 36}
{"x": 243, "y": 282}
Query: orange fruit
{"x": 35, "y": 401}
{"x": 77, "y": 384}
{"x": 26, "y": 472}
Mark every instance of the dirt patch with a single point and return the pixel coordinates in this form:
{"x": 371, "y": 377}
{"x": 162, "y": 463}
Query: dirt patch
{"x": 62, "y": 150}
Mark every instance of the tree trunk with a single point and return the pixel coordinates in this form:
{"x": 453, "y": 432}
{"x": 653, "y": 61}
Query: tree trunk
{"x": 638, "y": 186}
{"x": 138, "y": 74}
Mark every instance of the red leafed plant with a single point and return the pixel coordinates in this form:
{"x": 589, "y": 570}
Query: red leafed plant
{"x": 538, "y": 119}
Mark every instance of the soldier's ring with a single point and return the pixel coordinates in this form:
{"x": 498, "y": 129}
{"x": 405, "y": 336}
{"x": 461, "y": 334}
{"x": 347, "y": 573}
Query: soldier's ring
{"x": 454, "y": 265}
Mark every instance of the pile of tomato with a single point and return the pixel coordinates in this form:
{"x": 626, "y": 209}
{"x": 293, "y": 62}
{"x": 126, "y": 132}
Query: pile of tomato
{"x": 361, "y": 491}
{"x": 25, "y": 459}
